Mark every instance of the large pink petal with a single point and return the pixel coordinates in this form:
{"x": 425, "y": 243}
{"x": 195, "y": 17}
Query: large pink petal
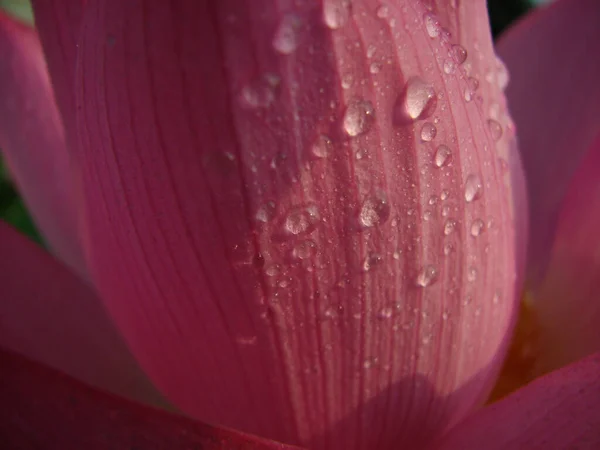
{"x": 275, "y": 223}
{"x": 33, "y": 142}
{"x": 49, "y": 315}
{"x": 554, "y": 98}
{"x": 44, "y": 409}
{"x": 567, "y": 301}
{"x": 556, "y": 412}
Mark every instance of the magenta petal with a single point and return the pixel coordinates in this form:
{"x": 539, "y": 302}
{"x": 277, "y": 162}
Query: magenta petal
{"x": 32, "y": 140}
{"x": 566, "y": 300}
{"x": 297, "y": 216}
{"x": 556, "y": 412}
{"x": 554, "y": 99}
{"x": 49, "y": 315}
{"x": 44, "y": 409}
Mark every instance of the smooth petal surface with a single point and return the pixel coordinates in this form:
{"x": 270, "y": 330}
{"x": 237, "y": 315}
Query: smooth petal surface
{"x": 567, "y": 301}
{"x": 33, "y": 142}
{"x": 554, "y": 98}
{"x": 555, "y": 412}
{"x": 297, "y": 214}
{"x": 49, "y": 315}
{"x": 42, "y": 408}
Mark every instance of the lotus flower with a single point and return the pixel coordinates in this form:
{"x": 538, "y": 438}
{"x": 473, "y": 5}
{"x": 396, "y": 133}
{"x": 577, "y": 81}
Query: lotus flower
{"x": 301, "y": 223}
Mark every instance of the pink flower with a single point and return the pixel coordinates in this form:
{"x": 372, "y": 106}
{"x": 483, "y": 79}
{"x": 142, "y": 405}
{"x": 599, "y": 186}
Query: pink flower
{"x": 305, "y": 221}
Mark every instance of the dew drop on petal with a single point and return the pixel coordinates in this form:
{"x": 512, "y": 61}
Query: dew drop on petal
{"x": 347, "y": 81}
{"x": 502, "y": 74}
{"x": 336, "y": 13}
{"x": 301, "y": 220}
{"x": 442, "y": 156}
{"x": 432, "y": 25}
{"x": 285, "y": 40}
{"x": 449, "y": 67}
{"x": 375, "y": 68}
{"x": 260, "y": 93}
{"x": 304, "y": 249}
{"x": 273, "y": 270}
{"x": 371, "y": 261}
{"x": 417, "y": 101}
{"x": 477, "y": 227}
{"x": 359, "y": 117}
{"x": 374, "y": 211}
{"x": 427, "y": 276}
{"x": 322, "y": 146}
{"x": 449, "y": 226}
{"x": 382, "y": 11}
{"x": 495, "y": 129}
{"x": 473, "y": 188}
{"x": 459, "y": 53}
{"x": 428, "y": 132}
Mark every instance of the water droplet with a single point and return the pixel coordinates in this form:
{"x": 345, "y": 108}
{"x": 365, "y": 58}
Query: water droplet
{"x": 284, "y": 282}
{"x": 359, "y": 117}
{"x": 371, "y": 51}
{"x": 375, "y": 68}
{"x": 260, "y": 93}
{"x": 432, "y": 25}
{"x": 360, "y": 154}
{"x": 473, "y": 188}
{"x": 336, "y": 13}
{"x": 427, "y": 216}
{"x": 265, "y": 213}
{"x": 477, "y": 227}
{"x": 382, "y": 11}
{"x": 385, "y": 313}
{"x": 417, "y": 101}
{"x": 502, "y": 74}
{"x": 428, "y": 132}
{"x": 442, "y": 156}
{"x": 495, "y": 129}
{"x": 372, "y": 260}
{"x": 433, "y": 200}
{"x": 472, "y": 274}
{"x": 304, "y": 249}
{"x": 444, "y": 195}
{"x": 468, "y": 94}
{"x": 322, "y": 146}
{"x": 449, "y": 226}
{"x": 285, "y": 40}
{"x": 374, "y": 211}
{"x": 459, "y": 53}
{"x": 273, "y": 270}
{"x": 448, "y": 248}
{"x": 301, "y": 220}
{"x": 449, "y": 67}
{"x": 427, "y": 276}
{"x": 445, "y": 211}
{"x": 347, "y": 81}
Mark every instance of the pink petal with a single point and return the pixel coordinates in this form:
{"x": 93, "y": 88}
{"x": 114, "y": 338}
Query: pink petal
{"x": 32, "y": 140}
{"x": 566, "y": 300}
{"x": 555, "y": 412}
{"x": 266, "y": 214}
{"x": 553, "y": 96}
{"x": 42, "y": 408}
{"x": 58, "y": 24}
{"x": 49, "y": 315}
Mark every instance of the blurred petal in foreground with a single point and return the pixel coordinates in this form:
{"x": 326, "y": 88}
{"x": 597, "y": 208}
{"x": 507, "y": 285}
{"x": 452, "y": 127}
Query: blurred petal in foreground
{"x": 555, "y": 412}
{"x": 33, "y": 142}
{"x": 42, "y": 408}
{"x": 554, "y": 99}
{"x": 50, "y": 316}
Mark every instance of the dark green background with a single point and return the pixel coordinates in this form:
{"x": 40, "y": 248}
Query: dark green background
{"x": 502, "y": 14}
